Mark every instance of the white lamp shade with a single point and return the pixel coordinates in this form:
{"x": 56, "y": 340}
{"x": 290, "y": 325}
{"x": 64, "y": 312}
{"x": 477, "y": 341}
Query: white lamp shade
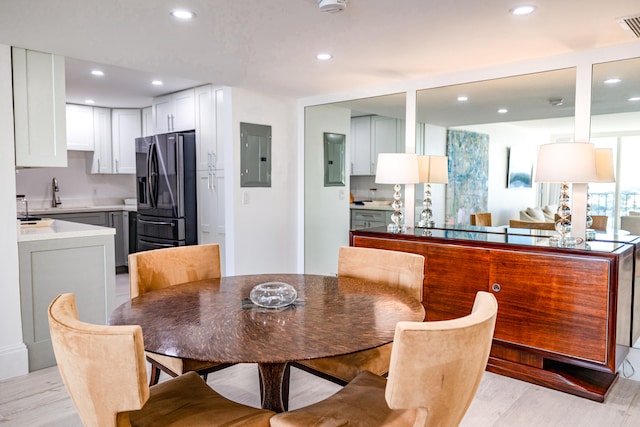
{"x": 397, "y": 168}
{"x": 567, "y": 162}
{"x": 433, "y": 169}
{"x": 604, "y": 165}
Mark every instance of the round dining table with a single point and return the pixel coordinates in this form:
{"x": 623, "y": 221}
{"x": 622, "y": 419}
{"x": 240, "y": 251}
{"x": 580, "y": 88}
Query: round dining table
{"x": 214, "y": 320}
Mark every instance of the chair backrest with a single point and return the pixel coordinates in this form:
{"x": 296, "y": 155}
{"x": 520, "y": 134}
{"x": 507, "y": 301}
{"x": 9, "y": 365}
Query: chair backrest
{"x": 515, "y": 223}
{"x": 102, "y": 367}
{"x": 599, "y": 222}
{"x": 397, "y": 269}
{"x": 483, "y": 218}
{"x": 160, "y": 268}
{"x": 436, "y": 367}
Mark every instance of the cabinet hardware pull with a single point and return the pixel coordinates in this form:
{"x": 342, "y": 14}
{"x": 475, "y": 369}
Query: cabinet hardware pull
{"x": 156, "y": 222}
{"x": 495, "y": 287}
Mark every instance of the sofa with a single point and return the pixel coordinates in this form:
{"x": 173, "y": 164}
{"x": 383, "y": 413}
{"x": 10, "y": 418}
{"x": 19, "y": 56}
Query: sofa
{"x": 631, "y": 222}
{"x": 539, "y": 214}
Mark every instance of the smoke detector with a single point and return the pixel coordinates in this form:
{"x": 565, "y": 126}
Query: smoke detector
{"x": 332, "y": 6}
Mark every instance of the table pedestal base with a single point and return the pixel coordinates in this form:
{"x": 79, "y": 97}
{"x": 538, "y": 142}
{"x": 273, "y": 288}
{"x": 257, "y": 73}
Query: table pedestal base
{"x": 274, "y": 386}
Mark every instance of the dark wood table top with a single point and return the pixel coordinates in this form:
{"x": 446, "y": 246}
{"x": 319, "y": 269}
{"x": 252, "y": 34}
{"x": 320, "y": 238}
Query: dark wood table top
{"x": 207, "y": 320}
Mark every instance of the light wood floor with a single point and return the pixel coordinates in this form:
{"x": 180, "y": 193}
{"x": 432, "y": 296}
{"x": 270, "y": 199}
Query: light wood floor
{"x": 40, "y": 398}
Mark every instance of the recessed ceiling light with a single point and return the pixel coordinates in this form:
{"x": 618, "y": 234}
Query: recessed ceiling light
{"x": 97, "y": 72}
{"x": 522, "y": 10}
{"x": 182, "y": 14}
{"x": 157, "y": 82}
{"x": 324, "y": 56}
{"x": 89, "y": 101}
{"x": 502, "y": 111}
{"x": 612, "y": 80}
{"x": 463, "y": 98}
{"x": 634, "y": 98}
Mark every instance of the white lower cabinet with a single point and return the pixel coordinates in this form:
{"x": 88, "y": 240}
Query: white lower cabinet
{"x": 83, "y": 266}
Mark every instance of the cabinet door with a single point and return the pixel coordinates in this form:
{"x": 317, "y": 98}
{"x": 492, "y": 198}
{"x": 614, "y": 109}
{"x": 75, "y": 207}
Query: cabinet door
{"x": 184, "y": 111}
{"x": 554, "y": 303}
{"x": 384, "y": 137}
{"x": 117, "y": 221}
{"x": 162, "y": 112}
{"x": 102, "y": 159}
{"x": 79, "y": 127}
{"x": 125, "y": 128}
{"x": 39, "y": 109}
{"x": 148, "y": 127}
{"x": 205, "y": 126}
{"x": 361, "y": 146}
{"x": 449, "y": 289}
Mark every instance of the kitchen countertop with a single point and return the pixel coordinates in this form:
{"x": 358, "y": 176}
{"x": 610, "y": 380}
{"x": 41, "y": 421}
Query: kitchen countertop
{"x": 371, "y": 207}
{"x": 79, "y": 209}
{"x": 62, "y": 230}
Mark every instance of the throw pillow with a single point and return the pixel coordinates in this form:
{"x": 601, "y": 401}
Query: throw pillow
{"x": 536, "y": 214}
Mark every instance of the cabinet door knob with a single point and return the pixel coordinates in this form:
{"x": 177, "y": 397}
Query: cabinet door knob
{"x": 495, "y": 287}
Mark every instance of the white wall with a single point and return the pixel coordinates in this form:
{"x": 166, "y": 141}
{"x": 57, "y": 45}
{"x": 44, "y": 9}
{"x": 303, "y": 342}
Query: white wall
{"x": 13, "y": 352}
{"x": 505, "y": 203}
{"x": 77, "y": 186}
{"x": 264, "y": 228}
{"x": 326, "y": 208}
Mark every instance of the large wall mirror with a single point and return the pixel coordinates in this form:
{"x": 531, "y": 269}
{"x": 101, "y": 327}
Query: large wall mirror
{"x": 615, "y": 124}
{"x": 370, "y": 125}
{"x": 484, "y": 125}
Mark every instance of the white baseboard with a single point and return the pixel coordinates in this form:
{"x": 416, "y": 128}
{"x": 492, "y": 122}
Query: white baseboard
{"x": 14, "y": 361}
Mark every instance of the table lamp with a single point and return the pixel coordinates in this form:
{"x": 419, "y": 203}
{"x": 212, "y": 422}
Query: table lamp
{"x": 431, "y": 170}
{"x": 604, "y": 170}
{"x": 397, "y": 169}
{"x": 566, "y": 162}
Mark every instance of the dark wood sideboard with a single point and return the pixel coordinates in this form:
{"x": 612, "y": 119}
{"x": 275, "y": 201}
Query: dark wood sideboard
{"x": 565, "y": 316}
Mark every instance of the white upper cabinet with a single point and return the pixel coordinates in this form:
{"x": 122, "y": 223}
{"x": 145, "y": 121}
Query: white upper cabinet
{"x": 39, "y": 109}
{"x": 205, "y": 126}
{"x": 148, "y": 127}
{"x": 361, "y": 146}
{"x": 174, "y": 112}
{"x": 80, "y": 127}
{"x": 125, "y": 128}
{"x": 370, "y": 136}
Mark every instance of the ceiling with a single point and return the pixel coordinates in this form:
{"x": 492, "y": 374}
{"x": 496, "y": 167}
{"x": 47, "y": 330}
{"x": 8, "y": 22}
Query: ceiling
{"x": 270, "y": 45}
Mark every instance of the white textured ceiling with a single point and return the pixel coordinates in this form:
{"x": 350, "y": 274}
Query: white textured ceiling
{"x": 270, "y": 45}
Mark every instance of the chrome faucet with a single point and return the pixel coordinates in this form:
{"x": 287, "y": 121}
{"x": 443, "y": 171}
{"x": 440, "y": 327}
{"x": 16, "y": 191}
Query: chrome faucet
{"x": 55, "y": 198}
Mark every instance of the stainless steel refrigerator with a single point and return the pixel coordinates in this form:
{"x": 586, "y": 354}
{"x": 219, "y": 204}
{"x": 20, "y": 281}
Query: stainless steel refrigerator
{"x": 166, "y": 190}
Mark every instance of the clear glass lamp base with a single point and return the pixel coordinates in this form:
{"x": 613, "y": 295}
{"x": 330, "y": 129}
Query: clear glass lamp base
{"x": 564, "y": 241}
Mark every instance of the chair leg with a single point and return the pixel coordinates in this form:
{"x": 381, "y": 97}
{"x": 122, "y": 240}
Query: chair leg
{"x": 204, "y": 376}
{"x": 155, "y": 375}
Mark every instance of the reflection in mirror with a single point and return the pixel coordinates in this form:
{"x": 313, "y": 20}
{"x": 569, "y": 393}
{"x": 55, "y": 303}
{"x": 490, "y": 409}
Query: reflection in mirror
{"x": 615, "y": 124}
{"x": 477, "y": 124}
{"x": 371, "y": 126}
{"x": 377, "y": 126}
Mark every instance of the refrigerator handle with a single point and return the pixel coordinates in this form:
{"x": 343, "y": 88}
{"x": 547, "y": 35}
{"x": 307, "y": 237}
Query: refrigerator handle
{"x": 152, "y": 174}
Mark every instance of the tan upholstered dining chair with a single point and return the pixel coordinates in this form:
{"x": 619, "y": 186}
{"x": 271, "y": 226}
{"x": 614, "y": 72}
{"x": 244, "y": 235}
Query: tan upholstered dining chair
{"x": 435, "y": 371}
{"x": 599, "y": 222}
{"x": 397, "y": 269}
{"x": 161, "y": 268}
{"x": 120, "y": 396}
